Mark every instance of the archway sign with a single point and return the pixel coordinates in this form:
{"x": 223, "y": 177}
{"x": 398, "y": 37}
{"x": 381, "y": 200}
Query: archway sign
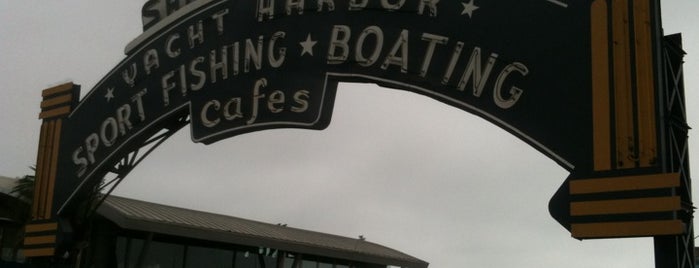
{"x": 577, "y": 80}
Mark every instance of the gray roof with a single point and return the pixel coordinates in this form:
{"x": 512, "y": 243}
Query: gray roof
{"x": 150, "y": 217}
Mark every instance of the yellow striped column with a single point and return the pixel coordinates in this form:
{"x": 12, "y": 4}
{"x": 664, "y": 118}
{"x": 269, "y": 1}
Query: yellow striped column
{"x": 40, "y": 238}
{"x": 643, "y": 198}
{"x": 623, "y": 85}
{"x": 40, "y": 233}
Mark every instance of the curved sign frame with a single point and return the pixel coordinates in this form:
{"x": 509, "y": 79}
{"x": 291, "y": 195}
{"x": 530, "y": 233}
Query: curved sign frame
{"x": 242, "y": 66}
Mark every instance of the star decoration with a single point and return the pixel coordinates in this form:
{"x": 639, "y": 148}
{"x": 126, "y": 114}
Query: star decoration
{"x": 469, "y": 8}
{"x": 110, "y": 94}
{"x": 308, "y": 46}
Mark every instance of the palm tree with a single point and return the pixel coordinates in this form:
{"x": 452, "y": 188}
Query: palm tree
{"x": 25, "y": 188}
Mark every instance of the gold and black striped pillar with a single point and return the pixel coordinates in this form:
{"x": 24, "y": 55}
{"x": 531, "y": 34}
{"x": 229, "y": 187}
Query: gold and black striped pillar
{"x": 41, "y": 232}
{"x": 623, "y": 85}
{"x": 624, "y": 202}
{"x": 628, "y": 206}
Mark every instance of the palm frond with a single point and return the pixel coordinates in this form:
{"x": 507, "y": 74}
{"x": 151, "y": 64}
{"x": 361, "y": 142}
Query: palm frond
{"x": 25, "y": 188}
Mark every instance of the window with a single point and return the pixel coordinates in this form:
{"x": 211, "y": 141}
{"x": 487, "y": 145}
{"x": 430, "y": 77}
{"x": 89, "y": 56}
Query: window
{"x": 309, "y": 264}
{"x": 208, "y": 257}
{"x": 127, "y": 251}
{"x": 158, "y": 254}
{"x": 164, "y": 255}
{"x": 246, "y": 259}
{"x": 291, "y": 261}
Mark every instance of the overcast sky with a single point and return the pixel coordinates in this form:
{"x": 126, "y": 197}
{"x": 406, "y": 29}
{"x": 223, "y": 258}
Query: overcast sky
{"x": 401, "y": 169}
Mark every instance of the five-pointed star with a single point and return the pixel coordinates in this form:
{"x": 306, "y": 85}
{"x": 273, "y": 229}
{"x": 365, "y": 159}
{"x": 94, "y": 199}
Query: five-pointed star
{"x": 469, "y": 8}
{"x": 110, "y": 94}
{"x": 308, "y": 46}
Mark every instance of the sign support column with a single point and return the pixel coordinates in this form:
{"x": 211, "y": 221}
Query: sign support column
{"x": 676, "y": 251}
{"x": 42, "y": 232}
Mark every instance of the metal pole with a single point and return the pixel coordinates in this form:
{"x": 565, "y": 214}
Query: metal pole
{"x": 675, "y": 251}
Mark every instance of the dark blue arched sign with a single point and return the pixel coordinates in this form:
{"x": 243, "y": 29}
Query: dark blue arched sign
{"x": 577, "y": 80}
{"x": 241, "y": 66}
